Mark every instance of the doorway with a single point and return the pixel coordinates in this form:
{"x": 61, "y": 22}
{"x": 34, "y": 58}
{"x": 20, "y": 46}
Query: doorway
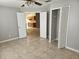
{"x": 55, "y": 26}
{"x": 33, "y": 24}
{"x": 58, "y": 26}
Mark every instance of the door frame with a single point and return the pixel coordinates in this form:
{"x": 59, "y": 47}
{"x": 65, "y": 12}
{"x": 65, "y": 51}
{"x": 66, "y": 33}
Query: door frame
{"x": 50, "y": 25}
{"x": 36, "y": 12}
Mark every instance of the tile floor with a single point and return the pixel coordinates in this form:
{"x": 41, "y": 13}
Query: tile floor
{"x": 34, "y": 48}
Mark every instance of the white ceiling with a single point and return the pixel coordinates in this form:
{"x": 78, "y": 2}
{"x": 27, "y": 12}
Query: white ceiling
{"x": 11, "y": 3}
{"x": 17, "y": 3}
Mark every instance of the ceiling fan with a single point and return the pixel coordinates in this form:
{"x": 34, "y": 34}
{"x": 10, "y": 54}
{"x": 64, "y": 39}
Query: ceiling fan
{"x": 28, "y": 2}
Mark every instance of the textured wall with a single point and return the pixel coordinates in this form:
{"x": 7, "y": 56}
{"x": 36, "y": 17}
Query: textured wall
{"x": 73, "y": 25}
{"x": 8, "y": 23}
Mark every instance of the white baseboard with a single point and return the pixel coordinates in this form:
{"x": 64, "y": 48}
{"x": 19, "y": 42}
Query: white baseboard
{"x": 72, "y": 49}
{"x": 9, "y": 40}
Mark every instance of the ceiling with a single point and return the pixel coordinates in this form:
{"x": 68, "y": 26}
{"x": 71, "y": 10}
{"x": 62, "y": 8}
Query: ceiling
{"x": 18, "y": 3}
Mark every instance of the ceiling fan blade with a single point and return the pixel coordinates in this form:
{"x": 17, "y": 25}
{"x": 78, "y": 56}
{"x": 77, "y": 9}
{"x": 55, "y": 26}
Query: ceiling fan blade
{"x": 38, "y": 3}
{"x": 23, "y": 5}
{"x": 48, "y": 1}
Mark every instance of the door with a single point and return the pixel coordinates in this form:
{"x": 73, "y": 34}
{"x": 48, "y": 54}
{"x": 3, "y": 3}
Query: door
{"x": 63, "y": 27}
{"x": 21, "y": 25}
{"x": 38, "y": 20}
{"x": 43, "y": 24}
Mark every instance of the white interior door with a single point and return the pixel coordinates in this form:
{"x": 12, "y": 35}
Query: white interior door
{"x": 21, "y": 25}
{"x": 43, "y": 24}
{"x": 63, "y": 27}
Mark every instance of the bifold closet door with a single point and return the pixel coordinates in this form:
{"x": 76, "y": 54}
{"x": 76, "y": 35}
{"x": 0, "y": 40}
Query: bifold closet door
{"x": 21, "y": 25}
{"x": 43, "y": 24}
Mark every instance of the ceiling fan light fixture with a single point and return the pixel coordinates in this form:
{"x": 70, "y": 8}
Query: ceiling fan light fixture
{"x": 30, "y": 2}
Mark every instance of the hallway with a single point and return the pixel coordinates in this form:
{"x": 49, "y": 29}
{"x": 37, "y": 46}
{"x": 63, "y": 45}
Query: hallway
{"x": 33, "y": 32}
{"x": 34, "y": 48}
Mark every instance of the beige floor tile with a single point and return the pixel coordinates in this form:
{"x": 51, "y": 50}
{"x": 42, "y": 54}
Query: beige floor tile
{"x": 34, "y": 47}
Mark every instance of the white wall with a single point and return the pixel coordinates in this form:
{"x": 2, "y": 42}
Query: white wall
{"x": 59, "y": 3}
{"x": 73, "y": 25}
{"x": 35, "y": 9}
{"x": 8, "y": 23}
